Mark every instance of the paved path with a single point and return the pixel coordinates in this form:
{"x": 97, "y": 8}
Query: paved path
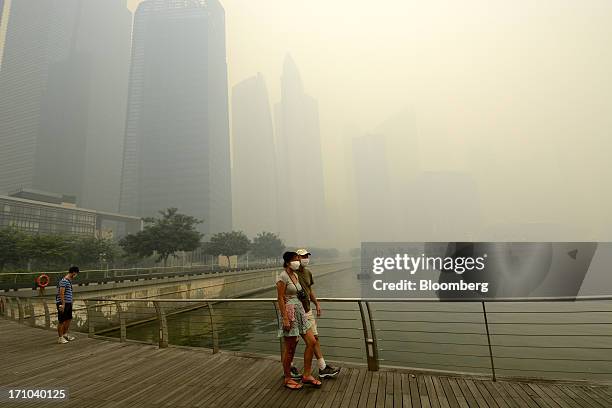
{"x": 109, "y": 374}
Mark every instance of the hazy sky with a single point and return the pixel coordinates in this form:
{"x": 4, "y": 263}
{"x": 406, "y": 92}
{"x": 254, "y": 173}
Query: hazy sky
{"x": 512, "y": 91}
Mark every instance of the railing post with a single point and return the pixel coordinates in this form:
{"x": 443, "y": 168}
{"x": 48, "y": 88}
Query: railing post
{"x": 163, "y": 325}
{"x": 371, "y": 344}
{"x": 3, "y": 306}
{"x": 278, "y": 317}
{"x": 484, "y": 312}
{"x": 215, "y": 335}
{"x": 47, "y": 314}
{"x": 32, "y": 314}
{"x": 10, "y": 308}
{"x": 123, "y": 328}
{"x": 90, "y": 322}
{"x": 20, "y": 309}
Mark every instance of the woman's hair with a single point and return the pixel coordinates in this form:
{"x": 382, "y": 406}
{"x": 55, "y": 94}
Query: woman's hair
{"x": 288, "y": 257}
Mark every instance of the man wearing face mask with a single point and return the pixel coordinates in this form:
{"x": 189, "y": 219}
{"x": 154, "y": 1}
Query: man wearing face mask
{"x": 306, "y": 281}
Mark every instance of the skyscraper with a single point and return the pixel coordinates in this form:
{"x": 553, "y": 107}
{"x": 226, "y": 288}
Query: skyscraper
{"x": 254, "y": 159}
{"x": 176, "y": 150}
{"x": 301, "y": 196}
{"x": 63, "y": 85}
{"x": 372, "y": 188}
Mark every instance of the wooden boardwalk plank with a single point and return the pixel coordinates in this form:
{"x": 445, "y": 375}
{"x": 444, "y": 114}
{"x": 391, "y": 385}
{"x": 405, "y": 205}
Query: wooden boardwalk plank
{"x": 461, "y": 399}
{"x": 414, "y": 392}
{"x": 130, "y": 375}
{"x": 521, "y": 395}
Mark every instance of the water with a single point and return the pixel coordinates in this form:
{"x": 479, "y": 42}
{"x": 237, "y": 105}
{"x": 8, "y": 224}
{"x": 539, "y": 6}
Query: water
{"x": 549, "y": 340}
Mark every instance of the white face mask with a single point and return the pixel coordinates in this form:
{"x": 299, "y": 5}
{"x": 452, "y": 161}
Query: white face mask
{"x": 295, "y": 265}
{"x": 305, "y": 261}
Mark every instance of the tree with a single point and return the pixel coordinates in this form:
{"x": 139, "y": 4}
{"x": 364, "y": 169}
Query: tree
{"x": 92, "y": 250}
{"x": 10, "y": 239}
{"x": 46, "y": 250}
{"x": 164, "y": 236}
{"x": 267, "y": 245}
{"x": 324, "y": 253}
{"x": 228, "y": 244}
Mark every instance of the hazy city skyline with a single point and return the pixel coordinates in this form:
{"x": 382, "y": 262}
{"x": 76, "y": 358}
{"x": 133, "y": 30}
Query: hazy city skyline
{"x": 513, "y": 96}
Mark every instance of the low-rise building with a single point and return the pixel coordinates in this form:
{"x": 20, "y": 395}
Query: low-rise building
{"x": 39, "y": 212}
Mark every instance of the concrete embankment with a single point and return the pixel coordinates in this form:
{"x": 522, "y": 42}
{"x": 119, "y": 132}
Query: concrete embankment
{"x": 221, "y": 285}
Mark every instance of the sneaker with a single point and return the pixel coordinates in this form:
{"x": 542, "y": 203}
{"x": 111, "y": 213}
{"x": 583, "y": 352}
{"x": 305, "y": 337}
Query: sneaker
{"x": 329, "y": 372}
{"x": 69, "y": 337}
{"x": 61, "y": 340}
{"x": 295, "y": 374}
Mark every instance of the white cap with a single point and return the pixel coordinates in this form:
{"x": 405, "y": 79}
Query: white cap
{"x": 302, "y": 252}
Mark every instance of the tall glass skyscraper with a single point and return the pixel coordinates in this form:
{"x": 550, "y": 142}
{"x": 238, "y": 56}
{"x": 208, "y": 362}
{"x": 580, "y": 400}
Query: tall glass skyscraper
{"x": 63, "y": 93}
{"x": 254, "y": 158}
{"x": 176, "y": 150}
{"x": 301, "y": 195}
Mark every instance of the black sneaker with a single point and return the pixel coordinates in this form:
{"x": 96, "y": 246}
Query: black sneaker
{"x": 295, "y": 374}
{"x": 329, "y": 372}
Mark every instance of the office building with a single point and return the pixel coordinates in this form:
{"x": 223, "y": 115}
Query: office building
{"x": 176, "y": 146}
{"x": 254, "y": 160}
{"x": 40, "y": 212}
{"x": 63, "y": 85}
{"x": 300, "y": 195}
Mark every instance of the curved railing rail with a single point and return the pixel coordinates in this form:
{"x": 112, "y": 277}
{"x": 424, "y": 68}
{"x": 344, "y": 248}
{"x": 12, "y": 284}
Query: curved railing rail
{"x": 556, "y": 338}
{"x": 21, "y": 280}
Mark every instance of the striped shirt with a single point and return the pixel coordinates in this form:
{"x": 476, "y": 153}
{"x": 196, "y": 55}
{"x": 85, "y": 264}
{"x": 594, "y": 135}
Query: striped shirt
{"x": 67, "y": 285}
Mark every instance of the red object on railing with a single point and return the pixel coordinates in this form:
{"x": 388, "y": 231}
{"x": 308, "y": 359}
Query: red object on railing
{"x": 42, "y": 280}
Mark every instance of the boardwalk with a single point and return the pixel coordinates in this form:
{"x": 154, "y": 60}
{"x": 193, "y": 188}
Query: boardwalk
{"x": 110, "y": 374}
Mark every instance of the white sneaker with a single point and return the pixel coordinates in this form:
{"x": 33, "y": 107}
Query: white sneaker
{"x": 69, "y": 337}
{"x": 61, "y": 340}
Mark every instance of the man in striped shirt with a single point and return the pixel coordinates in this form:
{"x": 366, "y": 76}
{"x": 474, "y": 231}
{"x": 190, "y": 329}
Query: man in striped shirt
{"x": 63, "y": 301}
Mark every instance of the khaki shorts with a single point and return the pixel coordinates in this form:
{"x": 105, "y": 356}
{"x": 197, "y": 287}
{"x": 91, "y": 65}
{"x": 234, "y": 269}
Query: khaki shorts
{"x": 313, "y": 323}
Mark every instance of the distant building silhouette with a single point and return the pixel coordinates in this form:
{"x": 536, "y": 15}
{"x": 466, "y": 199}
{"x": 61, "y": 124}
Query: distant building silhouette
{"x": 176, "y": 150}
{"x": 446, "y": 206}
{"x": 63, "y": 86}
{"x": 385, "y": 163}
{"x": 1, "y": 26}
{"x": 254, "y": 159}
{"x": 372, "y": 188}
{"x": 301, "y": 195}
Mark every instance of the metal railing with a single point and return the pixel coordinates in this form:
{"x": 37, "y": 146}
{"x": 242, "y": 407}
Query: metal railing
{"x": 556, "y": 338}
{"x": 21, "y": 280}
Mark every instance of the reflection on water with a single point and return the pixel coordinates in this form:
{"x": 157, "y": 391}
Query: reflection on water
{"x": 551, "y": 340}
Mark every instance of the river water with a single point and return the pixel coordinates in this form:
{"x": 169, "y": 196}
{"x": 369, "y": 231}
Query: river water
{"x": 570, "y": 340}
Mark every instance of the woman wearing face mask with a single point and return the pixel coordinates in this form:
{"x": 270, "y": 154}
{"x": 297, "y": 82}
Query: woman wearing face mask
{"x": 293, "y": 322}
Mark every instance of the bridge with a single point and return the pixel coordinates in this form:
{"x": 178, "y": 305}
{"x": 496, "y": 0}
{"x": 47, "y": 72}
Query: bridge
{"x": 223, "y": 352}
{"x": 102, "y": 373}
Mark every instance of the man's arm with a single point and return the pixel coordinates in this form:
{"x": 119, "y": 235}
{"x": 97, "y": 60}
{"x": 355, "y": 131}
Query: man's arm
{"x": 62, "y": 291}
{"x": 313, "y": 297}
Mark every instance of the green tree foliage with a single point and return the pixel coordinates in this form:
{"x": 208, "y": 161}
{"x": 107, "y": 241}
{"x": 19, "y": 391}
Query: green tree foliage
{"x": 355, "y": 252}
{"x": 47, "y": 251}
{"x": 92, "y": 251}
{"x": 9, "y": 246}
{"x": 164, "y": 236}
{"x": 228, "y": 244}
{"x": 267, "y": 245}
{"x": 324, "y": 253}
